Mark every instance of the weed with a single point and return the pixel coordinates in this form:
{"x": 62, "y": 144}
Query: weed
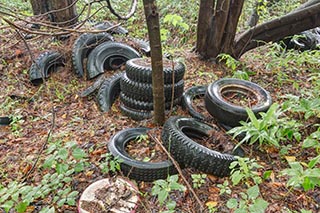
{"x": 110, "y": 163}
{"x": 244, "y": 169}
{"x": 270, "y": 129}
{"x": 198, "y": 180}
{"x": 162, "y": 189}
{"x": 308, "y": 178}
{"x": 248, "y": 201}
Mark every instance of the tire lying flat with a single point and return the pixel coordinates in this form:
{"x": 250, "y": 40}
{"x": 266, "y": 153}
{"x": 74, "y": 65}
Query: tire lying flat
{"x": 177, "y": 137}
{"x": 140, "y": 70}
{"x": 230, "y": 114}
{"x": 138, "y": 170}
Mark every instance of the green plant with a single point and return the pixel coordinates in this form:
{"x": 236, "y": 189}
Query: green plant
{"x": 270, "y": 129}
{"x": 308, "y": 178}
{"x": 248, "y": 201}
{"x": 15, "y": 124}
{"x": 162, "y": 189}
{"x": 198, "y": 180}
{"x": 313, "y": 141}
{"x": 224, "y": 188}
{"x": 229, "y": 61}
{"x": 110, "y": 163}
{"x": 245, "y": 169}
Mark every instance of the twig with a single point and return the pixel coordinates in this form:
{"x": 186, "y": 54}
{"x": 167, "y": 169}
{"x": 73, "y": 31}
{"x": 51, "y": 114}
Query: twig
{"x": 179, "y": 170}
{"x": 25, "y": 177}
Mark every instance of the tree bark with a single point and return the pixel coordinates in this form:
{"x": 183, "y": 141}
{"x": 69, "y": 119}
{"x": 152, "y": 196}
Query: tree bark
{"x": 221, "y": 32}
{"x": 61, "y": 13}
{"x": 204, "y": 21}
{"x": 276, "y": 29}
{"x": 152, "y": 17}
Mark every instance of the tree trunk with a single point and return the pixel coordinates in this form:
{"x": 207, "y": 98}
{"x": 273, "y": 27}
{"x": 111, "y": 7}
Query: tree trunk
{"x": 61, "y": 13}
{"x": 204, "y": 21}
{"x": 221, "y": 32}
{"x": 152, "y": 17}
{"x": 274, "y": 30}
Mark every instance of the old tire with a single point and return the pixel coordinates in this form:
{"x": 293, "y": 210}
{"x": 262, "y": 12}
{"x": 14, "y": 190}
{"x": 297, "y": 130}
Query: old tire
{"x": 84, "y": 44}
{"x": 177, "y": 137}
{"x": 140, "y": 70}
{"x": 187, "y": 98}
{"x": 138, "y": 170}
{"x": 5, "y": 121}
{"x": 143, "y": 105}
{"x": 110, "y": 56}
{"x": 230, "y": 114}
{"x": 43, "y": 65}
{"x": 143, "y": 91}
{"x": 109, "y": 91}
{"x": 134, "y": 114}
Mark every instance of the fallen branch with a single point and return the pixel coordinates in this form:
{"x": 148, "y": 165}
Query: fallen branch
{"x": 179, "y": 170}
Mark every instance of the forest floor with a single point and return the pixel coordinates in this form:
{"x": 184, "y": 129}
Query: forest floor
{"x": 80, "y": 120}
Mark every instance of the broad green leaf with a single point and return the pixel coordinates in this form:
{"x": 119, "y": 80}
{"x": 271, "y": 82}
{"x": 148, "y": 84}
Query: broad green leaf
{"x": 314, "y": 161}
{"x": 79, "y": 153}
{"x": 162, "y": 196}
{"x": 61, "y": 168}
{"x": 7, "y": 205}
{"x": 22, "y": 207}
{"x": 253, "y": 118}
{"x": 232, "y": 203}
{"x": 63, "y": 154}
{"x": 253, "y": 192}
{"x": 259, "y": 206}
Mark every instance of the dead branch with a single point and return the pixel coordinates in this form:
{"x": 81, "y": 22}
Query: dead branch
{"x": 178, "y": 169}
{"x": 131, "y": 11}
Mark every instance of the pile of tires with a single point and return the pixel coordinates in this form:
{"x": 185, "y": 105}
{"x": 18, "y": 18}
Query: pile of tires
{"x": 136, "y": 94}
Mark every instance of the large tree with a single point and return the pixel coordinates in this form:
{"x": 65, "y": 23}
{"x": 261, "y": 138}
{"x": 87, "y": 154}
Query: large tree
{"x": 218, "y": 21}
{"x": 61, "y": 13}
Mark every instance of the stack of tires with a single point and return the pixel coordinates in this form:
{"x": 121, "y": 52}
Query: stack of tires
{"x": 136, "y": 87}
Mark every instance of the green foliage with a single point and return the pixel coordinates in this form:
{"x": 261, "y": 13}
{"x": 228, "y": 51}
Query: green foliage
{"x": 176, "y": 21}
{"x": 244, "y": 169}
{"x": 198, "y": 180}
{"x": 313, "y": 141}
{"x": 110, "y": 163}
{"x": 308, "y": 177}
{"x": 162, "y": 189}
{"x": 270, "y": 129}
{"x": 62, "y": 162}
{"x": 248, "y": 202}
{"x": 308, "y": 106}
{"x": 224, "y": 188}
{"x": 229, "y": 61}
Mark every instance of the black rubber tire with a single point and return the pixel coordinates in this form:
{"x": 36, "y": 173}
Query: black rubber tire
{"x": 143, "y": 91}
{"x": 109, "y": 91}
{"x": 140, "y": 70}
{"x": 142, "y": 105}
{"x": 187, "y": 98}
{"x": 94, "y": 87}
{"x": 230, "y": 114}
{"x": 114, "y": 30}
{"x": 142, "y": 45}
{"x": 176, "y": 135}
{"x": 5, "y": 121}
{"x": 138, "y": 170}
{"x": 43, "y": 65}
{"x": 84, "y": 44}
{"x": 110, "y": 56}
{"x": 136, "y": 115}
